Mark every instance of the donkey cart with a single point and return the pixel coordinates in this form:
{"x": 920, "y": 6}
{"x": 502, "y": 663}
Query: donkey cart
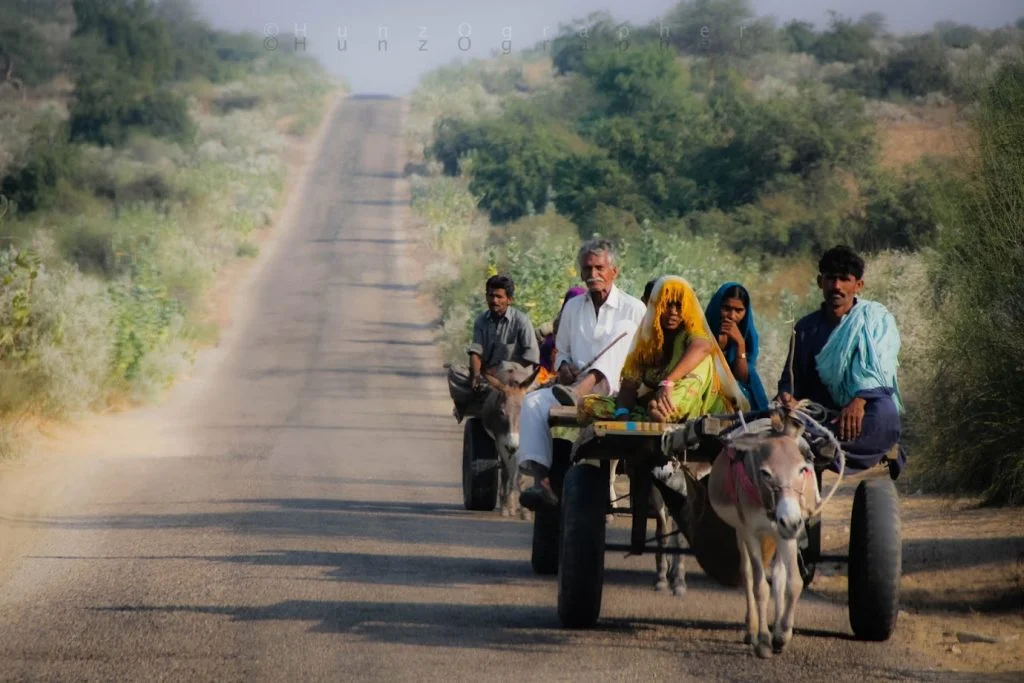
{"x": 571, "y": 542}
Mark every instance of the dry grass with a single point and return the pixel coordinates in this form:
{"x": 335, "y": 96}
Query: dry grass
{"x": 933, "y": 131}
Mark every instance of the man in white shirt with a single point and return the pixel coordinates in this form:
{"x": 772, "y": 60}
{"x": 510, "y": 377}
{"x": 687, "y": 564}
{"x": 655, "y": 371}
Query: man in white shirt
{"x": 589, "y": 325}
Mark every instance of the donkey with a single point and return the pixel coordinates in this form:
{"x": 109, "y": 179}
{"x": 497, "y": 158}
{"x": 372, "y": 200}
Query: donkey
{"x": 499, "y": 416}
{"x": 763, "y": 485}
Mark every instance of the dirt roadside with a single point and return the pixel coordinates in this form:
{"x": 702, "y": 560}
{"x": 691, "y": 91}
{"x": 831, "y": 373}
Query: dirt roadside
{"x": 962, "y": 592}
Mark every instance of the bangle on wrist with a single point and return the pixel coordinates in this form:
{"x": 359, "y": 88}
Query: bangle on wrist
{"x": 620, "y": 412}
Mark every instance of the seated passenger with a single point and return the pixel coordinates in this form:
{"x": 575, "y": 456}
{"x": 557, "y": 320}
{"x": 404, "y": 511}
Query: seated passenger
{"x": 731, "y": 319}
{"x": 675, "y": 359}
{"x": 845, "y": 358}
{"x": 504, "y": 345}
{"x": 594, "y": 335}
{"x": 548, "y": 352}
{"x": 648, "y": 288}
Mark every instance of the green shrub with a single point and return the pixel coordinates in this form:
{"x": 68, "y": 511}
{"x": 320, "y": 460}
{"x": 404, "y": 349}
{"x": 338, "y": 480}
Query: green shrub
{"x": 844, "y": 41}
{"x": 917, "y": 70}
{"x": 48, "y": 161}
{"x": 901, "y": 210}
{"x": 25, "y": 56}
{"x": 974, "y": 430}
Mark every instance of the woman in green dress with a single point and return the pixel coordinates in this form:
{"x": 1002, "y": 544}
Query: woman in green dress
{"x": 675, "y": 371}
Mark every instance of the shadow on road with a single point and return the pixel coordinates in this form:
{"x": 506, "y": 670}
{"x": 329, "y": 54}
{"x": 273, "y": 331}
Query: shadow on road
{"x": 383, "y": 521}
{"x": 433, "y": 624}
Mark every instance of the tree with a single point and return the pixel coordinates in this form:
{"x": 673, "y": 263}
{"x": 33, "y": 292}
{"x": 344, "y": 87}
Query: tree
{"x": 799, "y": 36}
{"x": 635, "y": 80}
{"x": 709, "y": 27}
{"x": 138, "y": 39}
{"x": 844, "y": 41}
{"x": 25, "y": 57}
{"x": 917, "y": 70}
{"x": 513, "y": 168}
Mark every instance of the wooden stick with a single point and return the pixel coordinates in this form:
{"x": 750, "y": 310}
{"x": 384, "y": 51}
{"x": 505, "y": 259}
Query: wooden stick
{"x": 605, "y": 350}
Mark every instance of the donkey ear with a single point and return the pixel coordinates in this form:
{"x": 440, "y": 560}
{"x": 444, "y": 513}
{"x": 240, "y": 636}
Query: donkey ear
{"x": 778, "y": 426}
{"x": 794, "y": 426}
{"x": 528, "y": 382}
{"x": 494, "y": 382}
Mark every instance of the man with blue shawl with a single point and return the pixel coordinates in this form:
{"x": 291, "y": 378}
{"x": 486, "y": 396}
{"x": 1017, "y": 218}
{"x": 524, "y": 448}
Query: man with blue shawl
{"x": 731, "y": 319}
{"x": 845, "y": 358}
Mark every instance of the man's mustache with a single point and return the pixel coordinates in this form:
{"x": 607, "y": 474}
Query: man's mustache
{"x": 594, "y": 280}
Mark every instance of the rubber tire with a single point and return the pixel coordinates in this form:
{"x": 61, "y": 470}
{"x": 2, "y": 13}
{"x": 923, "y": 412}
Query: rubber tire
{"x": 479, "y": 468}
{"x": 548, "y": 523}
{"x": 876, "y": 560}
{"x": 581, "y": 551}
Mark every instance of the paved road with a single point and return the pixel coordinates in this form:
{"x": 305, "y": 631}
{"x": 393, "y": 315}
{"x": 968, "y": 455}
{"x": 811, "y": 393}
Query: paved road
{"x": 293, "y": 513}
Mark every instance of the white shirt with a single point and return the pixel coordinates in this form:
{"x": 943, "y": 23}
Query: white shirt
{"x": 582, "y": 333}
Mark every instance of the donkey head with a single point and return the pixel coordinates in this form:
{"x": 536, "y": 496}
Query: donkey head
{"x": 501, "y": 410}
{"x": 785, "y": 476}
{"x": 775, "y": 466}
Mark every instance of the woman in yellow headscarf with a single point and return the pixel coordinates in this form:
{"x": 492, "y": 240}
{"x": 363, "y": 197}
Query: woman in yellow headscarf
{"x": 674, "y": 358}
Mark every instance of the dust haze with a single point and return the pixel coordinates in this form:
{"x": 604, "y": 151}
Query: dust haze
{"x": 388, "y": 44}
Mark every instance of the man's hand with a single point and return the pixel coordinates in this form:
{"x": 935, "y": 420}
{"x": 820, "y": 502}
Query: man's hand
{"x": 851, "y": 419}
{"x": 476, "y": 381}
{"x": 787, "y": 400}
{"x": 566, "y": 374}
{"x": 731, "y": 330}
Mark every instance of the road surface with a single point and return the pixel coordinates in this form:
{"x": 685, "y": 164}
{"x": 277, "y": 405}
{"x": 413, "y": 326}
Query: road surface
{"x": 293, "y": 512}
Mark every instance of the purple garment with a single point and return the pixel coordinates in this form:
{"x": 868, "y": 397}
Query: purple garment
{"x": 547, "y": 347}
{"x": 881, "y": 428}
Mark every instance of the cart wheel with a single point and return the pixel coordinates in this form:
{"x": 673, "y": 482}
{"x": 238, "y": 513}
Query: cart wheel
{"x": 479, "y": 468}
{"x": 581, "y": 551}
{"x": 546, "y": 523}
{"x": 875, "y": 564}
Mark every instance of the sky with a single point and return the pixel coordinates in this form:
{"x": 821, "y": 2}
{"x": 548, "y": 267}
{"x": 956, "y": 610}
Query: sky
{"x": 387, "y": 45}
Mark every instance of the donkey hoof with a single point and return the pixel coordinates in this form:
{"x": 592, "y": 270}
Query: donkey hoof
{"x": 679, "y": 590}
{"x": 661, "y": 586}
{"x": 505, "y": 512}
{"x": 609, "y": 518}
{"x": 778, "y": 645}
{"x": 763, "y": 650}
{"x": 748, "y": 639}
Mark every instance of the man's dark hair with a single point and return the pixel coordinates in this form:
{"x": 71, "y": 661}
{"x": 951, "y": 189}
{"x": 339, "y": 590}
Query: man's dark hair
{"x": 648, "y": 288}
{"x": 841, "y": 260}
{"x": 502, "y": 282}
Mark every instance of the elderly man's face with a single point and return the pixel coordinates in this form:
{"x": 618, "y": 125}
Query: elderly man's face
{"x": 598, "y": 273}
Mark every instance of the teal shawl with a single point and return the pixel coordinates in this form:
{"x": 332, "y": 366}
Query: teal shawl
{"x": 861, "y": 353}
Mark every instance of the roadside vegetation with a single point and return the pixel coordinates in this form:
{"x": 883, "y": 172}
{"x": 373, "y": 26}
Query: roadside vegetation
{"x": 140, "y": 151}
{"x": 740, "y": 155}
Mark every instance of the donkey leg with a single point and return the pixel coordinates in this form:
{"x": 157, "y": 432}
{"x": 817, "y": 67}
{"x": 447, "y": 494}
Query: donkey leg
{"x": 763, "y": 648}
{"x": 660, "y": 563}
{"x": 509, "y": 479}
{"x": 794, "y": 586}
{"x": 748, "y": 587}
{"x": 517, "y": 487}
{"x": 612, "y": 493}
{"x": 676, "y": 570}
{"x": 778, "y": 587}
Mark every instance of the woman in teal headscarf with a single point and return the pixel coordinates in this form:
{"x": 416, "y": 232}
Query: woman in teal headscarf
{"x": 731, "y": 320}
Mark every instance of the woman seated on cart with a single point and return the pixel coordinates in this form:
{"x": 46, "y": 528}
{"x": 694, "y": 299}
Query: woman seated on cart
{"x": 675, "y": 371}
{"x": 731, "y": 319}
